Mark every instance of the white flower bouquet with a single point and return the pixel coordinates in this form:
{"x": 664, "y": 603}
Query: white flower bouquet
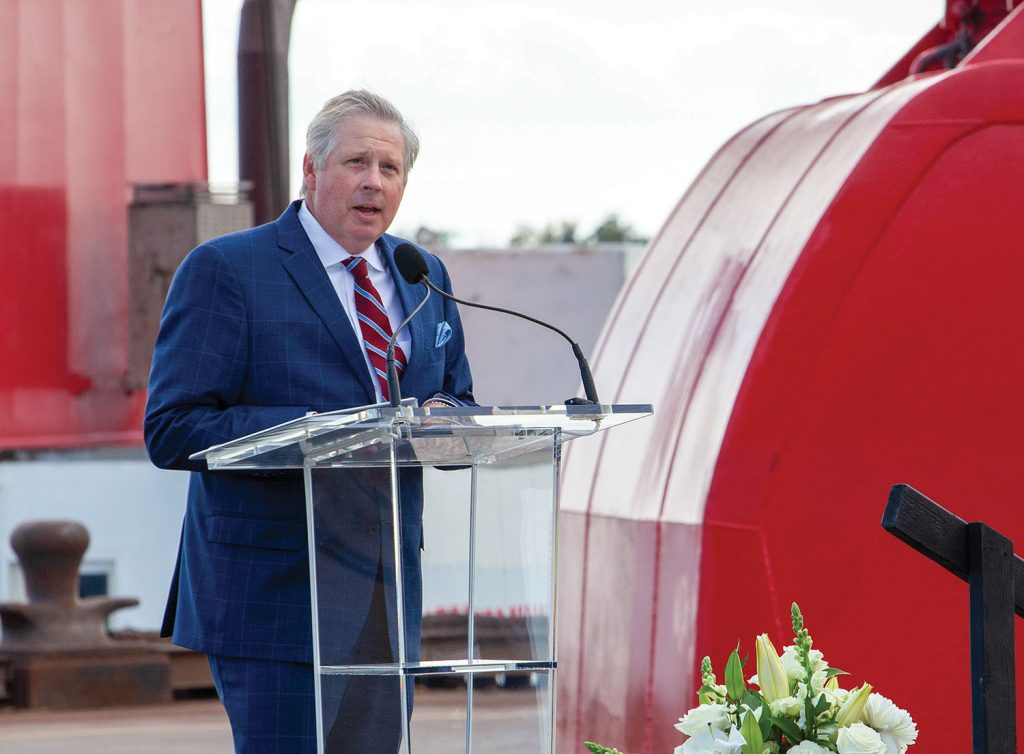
{"x": 798, "y": 707}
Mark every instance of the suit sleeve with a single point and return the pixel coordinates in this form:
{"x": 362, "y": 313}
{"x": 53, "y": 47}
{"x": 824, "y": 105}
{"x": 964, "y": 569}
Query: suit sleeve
{"x": 200, "y": 363}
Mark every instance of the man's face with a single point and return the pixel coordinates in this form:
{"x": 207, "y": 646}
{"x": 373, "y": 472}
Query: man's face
{"x": 356, "y": 193}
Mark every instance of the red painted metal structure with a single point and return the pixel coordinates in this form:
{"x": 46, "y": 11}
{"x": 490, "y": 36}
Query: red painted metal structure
{"x": 94, "y": 97}
{"x": 833, "y": 307}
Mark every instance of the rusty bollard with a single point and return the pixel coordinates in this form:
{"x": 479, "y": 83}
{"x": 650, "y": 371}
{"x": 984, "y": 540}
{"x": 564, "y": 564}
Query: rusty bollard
{"x": 56, "y": 647}
{"x": 50, "y": 553}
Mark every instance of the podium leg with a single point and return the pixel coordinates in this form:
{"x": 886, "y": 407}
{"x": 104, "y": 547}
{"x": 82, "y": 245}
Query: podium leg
{"x": 307, "y": 479}
{"x": 396, "y": 538}
{"x": 471, "y": 600}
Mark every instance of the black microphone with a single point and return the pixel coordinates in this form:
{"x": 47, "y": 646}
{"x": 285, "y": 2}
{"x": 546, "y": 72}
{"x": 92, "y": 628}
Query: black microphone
{"x": 395, "y": 393}
{"x": 411, "y": 264}
{"x": 413, "y": 268}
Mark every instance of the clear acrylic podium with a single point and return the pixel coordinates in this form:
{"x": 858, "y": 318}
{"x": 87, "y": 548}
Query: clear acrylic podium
{"x": 469, "y": 613}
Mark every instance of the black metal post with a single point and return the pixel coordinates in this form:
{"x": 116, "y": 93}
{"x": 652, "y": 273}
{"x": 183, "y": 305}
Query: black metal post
{"x": 993, "y": 713}
{"x": 984, "y": 558}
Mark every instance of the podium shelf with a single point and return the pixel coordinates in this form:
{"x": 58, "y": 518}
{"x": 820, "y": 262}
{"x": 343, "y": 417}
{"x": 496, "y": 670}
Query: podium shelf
{"x": 413, "y": 436}
{"x": 440, "y": 667}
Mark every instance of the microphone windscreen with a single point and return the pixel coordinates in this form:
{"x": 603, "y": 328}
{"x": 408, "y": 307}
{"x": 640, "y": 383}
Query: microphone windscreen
{"x": 411, "y": 264}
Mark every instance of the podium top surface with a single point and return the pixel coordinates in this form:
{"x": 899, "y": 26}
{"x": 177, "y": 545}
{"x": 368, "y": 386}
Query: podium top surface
{"x": 365, "y": 436}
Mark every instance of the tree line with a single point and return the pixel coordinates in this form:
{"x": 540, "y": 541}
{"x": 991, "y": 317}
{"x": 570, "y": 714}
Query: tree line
{"x": 610, "y": 230}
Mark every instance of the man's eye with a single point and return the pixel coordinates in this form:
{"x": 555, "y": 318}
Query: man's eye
{"x": 356, "y": 161}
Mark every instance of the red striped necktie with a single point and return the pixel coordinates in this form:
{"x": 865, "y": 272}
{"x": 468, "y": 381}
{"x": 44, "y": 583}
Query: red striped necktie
{"x": 373, "y": 323}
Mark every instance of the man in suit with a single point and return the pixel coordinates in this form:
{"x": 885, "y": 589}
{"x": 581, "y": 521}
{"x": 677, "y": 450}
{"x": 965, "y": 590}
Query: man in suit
{"x": 264, "y": 326}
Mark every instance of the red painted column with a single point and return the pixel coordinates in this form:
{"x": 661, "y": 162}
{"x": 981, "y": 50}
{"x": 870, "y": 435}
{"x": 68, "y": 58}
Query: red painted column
{"x": 95, "y": 97}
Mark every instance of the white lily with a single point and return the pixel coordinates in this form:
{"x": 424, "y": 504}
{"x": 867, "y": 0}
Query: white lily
{"x": 853, "y": 707}
{"x": 771, "y": 675}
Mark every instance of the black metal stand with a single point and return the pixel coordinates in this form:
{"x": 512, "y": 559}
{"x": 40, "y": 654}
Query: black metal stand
{"x": 984, "y": 558}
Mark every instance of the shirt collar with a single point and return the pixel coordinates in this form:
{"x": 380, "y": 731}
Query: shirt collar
{"x": 329, "y": 250}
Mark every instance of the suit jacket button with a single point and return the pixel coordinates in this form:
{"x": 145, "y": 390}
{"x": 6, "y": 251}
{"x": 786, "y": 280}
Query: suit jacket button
{"x": 374, "y": 529}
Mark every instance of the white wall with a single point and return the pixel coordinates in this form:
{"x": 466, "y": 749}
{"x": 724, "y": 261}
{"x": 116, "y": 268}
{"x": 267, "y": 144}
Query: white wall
{"x": 515, "y": 362}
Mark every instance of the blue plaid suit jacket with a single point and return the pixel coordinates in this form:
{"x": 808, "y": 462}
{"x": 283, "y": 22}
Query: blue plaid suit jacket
{"x": 253, "y": 334}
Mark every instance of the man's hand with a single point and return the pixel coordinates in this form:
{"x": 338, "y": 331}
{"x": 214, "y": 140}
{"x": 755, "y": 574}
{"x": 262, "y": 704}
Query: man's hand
{"x": 440, "y": 400}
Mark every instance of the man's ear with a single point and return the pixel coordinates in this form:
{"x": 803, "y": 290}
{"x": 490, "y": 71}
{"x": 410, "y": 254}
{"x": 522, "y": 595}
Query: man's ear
{"x": 308, "y": 173}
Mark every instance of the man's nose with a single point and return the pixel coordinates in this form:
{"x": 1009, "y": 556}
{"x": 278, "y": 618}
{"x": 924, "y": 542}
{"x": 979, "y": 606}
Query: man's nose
{"x": 372, "y": 179}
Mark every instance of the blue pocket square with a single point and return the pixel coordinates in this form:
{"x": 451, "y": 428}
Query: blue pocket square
{"x": 444, "y": 334}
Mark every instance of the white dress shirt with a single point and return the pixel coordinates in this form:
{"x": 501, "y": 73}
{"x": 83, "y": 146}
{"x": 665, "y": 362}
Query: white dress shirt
{"x": 332, "y": 255}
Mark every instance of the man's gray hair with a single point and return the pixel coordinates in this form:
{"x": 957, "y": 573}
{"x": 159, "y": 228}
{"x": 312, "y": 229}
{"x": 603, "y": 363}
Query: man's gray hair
{"x": 356, "y": 103}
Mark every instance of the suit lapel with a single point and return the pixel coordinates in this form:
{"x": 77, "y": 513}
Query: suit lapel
{"x": 410, "y": 296}
{"x": 310, "y": 276}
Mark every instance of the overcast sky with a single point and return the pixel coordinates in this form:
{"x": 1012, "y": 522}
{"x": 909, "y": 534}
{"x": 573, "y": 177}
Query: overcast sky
{"x": 536, "y": 111}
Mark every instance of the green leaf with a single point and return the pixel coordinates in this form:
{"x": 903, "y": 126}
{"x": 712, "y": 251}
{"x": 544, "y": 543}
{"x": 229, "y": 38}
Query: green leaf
{"x": 751, "y": 732}
{"x": 789, "y": 728}
{"x": 832, "y": 672}
{"x": 766, "y": 722}
{"x": 821, "y": 705}
{"x": 755, "y": 702}
{"x": 734, "y": 683}
{"x": 811, "y": 720}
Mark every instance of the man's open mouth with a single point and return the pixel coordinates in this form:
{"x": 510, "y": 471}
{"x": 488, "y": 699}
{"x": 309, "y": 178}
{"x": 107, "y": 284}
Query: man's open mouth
{"x": 367, "y": 211}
